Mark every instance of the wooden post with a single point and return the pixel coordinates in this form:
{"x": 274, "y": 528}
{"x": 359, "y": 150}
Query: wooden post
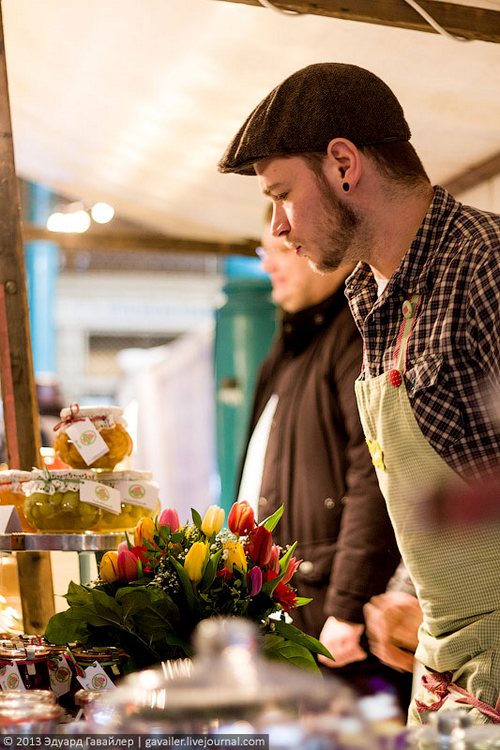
{"x": 16, "y": 363}
{"x": 35, "y": 589}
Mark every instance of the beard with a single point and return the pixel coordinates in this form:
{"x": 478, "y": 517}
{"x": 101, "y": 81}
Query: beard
{"x": 339, "y": 235}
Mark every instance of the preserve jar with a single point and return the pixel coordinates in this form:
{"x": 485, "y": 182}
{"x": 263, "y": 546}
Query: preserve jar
{"x": 28, "y": 712}
{"x": 11, "y": 493}
{"x": 24, "y": 666}
{"x": 92, "y": 437}
{"x": 139, "y": 498}
{"x": 53, "y": 501}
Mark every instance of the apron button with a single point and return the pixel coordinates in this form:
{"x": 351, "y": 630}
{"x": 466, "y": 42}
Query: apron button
{"x": 407, "y": 308}
{"x": 395, "y": 378}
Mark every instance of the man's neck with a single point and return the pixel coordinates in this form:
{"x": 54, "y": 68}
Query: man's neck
{"x": 395, "y": 225}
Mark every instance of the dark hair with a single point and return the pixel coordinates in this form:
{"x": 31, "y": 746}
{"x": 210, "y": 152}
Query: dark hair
{"x": 399, "y": 161}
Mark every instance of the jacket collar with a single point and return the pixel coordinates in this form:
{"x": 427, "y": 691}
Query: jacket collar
{"x": 299, "y": 328}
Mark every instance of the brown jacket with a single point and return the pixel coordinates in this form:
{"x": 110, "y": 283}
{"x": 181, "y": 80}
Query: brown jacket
{"x": 317, "y": 464}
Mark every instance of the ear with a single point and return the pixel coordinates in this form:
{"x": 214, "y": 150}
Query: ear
{"x": 343, "y": 164}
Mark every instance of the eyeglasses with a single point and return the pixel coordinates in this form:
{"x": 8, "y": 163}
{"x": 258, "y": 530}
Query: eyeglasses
{"x": 274, "y": 252}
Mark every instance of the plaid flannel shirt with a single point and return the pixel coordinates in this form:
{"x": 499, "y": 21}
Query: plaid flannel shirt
{"x": 452, "y": 372}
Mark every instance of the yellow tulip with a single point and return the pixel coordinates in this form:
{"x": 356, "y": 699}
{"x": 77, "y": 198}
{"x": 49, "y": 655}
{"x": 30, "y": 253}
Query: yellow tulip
{"x": 235, "y": 556}
{"x": 212, "y": 520}
{"x": 196, "y": 561}
{"x": 108, "y": 568}
{"x": 144, "y": 531}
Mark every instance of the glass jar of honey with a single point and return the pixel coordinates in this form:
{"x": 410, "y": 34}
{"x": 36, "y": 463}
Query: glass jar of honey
{"x": 139, "y": 498}
{"x": 92, "y": 437}
{"x": 53, "y": 501}
{"x": 11, "y": 493}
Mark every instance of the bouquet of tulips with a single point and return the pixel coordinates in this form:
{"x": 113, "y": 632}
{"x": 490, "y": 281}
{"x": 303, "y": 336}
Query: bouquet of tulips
{"x": 153, "y": 591}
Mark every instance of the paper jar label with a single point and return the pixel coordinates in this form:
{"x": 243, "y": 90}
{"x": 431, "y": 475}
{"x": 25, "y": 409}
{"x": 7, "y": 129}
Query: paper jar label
{"x": 95, "y": 678}
{"x": 101, "y": 495}
{"x": 87, "y": 440}
{"x": 10, "y": 677}
{"x": 60, "y": 675}
{"x": 139, "y": 493}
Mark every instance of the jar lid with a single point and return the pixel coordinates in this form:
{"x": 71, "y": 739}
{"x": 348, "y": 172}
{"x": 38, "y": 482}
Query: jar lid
{"x": 130, "y": 475}
{"x": 14, "y": 475}
{"x": 64, "y": 474}
{"x": 91, "y": 411}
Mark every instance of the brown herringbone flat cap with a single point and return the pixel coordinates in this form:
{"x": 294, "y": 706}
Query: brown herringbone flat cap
{"x": 312, "y": 106}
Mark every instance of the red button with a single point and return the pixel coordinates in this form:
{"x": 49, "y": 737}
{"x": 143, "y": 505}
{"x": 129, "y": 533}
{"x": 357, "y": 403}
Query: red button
{"x": 395, "y": 378}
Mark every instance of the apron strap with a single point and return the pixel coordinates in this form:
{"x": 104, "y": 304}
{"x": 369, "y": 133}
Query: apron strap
{"x": 409, "y": 308}
{"x": 441, "y": 685}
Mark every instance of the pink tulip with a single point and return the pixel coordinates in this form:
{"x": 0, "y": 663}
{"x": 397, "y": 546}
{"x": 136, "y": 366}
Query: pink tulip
{"x": 241, "y": 519}
{"x": 292, "y": 566}
{"x": 274, "y": 559}
{"x": 169, "y": 517}
{"x": 127, "y": 565}
{"x": 255, "y": 580}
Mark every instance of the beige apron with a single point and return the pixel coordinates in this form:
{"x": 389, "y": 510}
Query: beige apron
{"x": 456, "y": 570}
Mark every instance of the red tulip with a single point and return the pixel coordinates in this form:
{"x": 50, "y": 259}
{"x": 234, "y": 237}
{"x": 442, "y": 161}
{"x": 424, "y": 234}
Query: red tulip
{"x": 259, "y": 545}
{"x": 169, "y": 517}
{"x": 127, "y": 565}
{"x": 241, "y": 519}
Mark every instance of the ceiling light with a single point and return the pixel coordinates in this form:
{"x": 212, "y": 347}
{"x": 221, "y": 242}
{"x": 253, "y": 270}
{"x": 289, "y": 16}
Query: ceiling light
{"x": 102, "y": 212}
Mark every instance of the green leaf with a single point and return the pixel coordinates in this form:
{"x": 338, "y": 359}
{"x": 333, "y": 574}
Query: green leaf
{"x": 78, "y": 595}
{"x": 291, "y": 633}
{"x": 281, "y": 649}
{"x": 272, "y": 521}
{"x": 186, "y": 584}
{"x": 197, "y": 520}
{"x": 301, "y": 601}
{"x": 210, "y": 572}
{"x": 62, "y": 629}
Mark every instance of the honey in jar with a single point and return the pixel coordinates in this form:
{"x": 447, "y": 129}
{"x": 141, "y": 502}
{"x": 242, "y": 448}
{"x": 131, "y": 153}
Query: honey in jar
{"x": 53, "y": 501}
{"x": 92, "y": 437}
{"x": 139, "y": 498}
{"x": 11, "y": 493}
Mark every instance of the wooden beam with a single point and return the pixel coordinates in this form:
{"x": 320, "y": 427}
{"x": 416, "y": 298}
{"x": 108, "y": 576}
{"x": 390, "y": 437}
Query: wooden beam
{"x": 16, "y": 363}
{"x": 468, "y": 179}
{"x": 20, "y": 404}
{"x": 460, "y": 20}
{"x": 136, "y": 242}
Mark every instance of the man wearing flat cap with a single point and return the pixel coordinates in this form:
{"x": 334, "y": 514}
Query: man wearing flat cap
{"x": 330, "y": 146}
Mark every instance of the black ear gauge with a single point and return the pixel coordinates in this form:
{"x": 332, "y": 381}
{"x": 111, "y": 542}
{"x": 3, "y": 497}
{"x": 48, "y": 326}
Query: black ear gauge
{"x": 346, "y": 187}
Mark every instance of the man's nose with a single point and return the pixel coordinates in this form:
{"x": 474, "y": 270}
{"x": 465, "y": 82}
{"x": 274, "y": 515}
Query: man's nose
{"x": 280, "y": 226}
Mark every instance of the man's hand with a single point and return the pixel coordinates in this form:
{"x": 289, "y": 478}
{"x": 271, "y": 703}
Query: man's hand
{"x": 392, "y": 621}
{"x": 342, "y": 640}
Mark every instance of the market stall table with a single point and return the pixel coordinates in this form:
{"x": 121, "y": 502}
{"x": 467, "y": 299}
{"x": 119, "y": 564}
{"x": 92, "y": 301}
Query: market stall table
{"x": 35, "y": 592}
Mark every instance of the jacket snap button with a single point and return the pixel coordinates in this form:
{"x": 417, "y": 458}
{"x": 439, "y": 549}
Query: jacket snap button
{"x": 262, "y": 500}
{"x": 329, "y": 503}
{"x": 306, "y": 566}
